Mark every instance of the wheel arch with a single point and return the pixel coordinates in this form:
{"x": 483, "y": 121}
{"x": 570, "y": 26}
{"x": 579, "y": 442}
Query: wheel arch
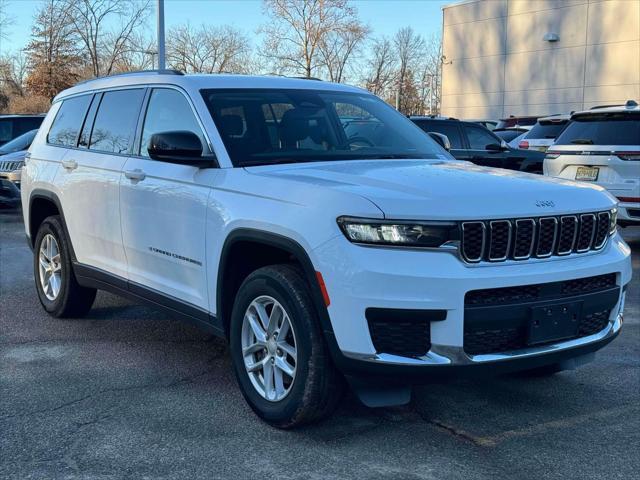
{"x": 226, "y": 290}
{"x": 42, "y": 204}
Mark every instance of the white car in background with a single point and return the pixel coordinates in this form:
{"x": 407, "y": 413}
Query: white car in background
{"x": 602, "y": 146}
{"x": 544, "y": 132}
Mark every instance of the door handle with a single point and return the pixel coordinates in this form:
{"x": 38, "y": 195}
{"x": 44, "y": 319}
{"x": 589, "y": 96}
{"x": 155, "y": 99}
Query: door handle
{"x": 70, "y": 164}
{"x": 136, "y": 175}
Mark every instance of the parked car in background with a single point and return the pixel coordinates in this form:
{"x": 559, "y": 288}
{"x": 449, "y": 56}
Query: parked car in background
{"x": 508, "y": 134}
{"x": 9, "y": 194}
{"x": 488, "y": 124}
{"x": 602, "y": 146}
{"x": 513, "y": 121}
{"x": 12, "y": 155}
{"x": 469, "y": 141}
{"x": 12, "y": 126}
{"x": 542, "y": 135}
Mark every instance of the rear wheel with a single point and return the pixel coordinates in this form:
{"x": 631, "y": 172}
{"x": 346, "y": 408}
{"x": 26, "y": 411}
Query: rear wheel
{"x": 279, "y": 356}
{"x": 58, "y": 290}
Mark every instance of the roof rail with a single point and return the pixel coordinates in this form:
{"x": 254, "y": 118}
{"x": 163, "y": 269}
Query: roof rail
{"x": 596, "y": 107}
{"x": 308, "y": 78}
{"x": 133, "y": 73}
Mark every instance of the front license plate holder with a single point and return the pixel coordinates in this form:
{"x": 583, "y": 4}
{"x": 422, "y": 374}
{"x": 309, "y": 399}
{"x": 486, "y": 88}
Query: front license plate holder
{"x": 551, "y": 323}
{"x": 588, "y": 174}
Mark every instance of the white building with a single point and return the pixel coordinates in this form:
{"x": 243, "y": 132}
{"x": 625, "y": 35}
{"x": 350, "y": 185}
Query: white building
{"x": 520, "y": 57}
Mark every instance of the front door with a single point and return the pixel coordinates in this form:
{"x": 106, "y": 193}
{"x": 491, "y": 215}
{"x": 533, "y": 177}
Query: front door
{"x": 163, "y": 207}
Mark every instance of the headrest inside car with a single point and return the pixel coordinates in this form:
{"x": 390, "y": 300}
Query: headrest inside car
{"x": 231, "y": 125}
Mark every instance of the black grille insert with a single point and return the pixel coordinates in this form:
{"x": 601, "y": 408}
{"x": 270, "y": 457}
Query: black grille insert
{"x": 497, "y": 319}
{"x": 402, "y": 332}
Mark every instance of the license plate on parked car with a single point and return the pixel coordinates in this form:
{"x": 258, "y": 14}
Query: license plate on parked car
{"x": 554, "y": 322}
{"x": 587, "y": 173}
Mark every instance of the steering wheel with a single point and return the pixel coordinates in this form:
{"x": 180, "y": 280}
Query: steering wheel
{"x": 360, "y": 142}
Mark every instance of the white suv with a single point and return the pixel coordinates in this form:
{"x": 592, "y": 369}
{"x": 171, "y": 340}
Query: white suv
{"x": 602, "y": 146}
{"x": 321, "y": 232}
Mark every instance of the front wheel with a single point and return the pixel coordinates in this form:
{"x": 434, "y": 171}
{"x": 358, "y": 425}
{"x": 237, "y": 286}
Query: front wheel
{"x": 279, "y": 356}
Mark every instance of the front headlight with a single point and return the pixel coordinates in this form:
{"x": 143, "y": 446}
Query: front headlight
{"x": 398, "y": 233}
{"x": 614, "y": 221}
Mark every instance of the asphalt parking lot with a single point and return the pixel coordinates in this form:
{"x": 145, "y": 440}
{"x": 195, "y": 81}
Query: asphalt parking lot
{"x": 131, "y": 393}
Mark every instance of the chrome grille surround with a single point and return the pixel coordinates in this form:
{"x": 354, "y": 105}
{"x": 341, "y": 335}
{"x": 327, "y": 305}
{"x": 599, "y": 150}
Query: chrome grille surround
{"x": 10, "y": 165}
{"x": 498, "y": 245}
{"x": 521, "y": 238}
{"x": 568, "y": 229}
{"x": 536, "y": 237}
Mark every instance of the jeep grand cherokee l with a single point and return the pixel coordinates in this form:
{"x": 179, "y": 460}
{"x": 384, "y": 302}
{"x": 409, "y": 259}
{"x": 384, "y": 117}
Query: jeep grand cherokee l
{"x": 318, "y": 230}
{"x": 602, "y": 146}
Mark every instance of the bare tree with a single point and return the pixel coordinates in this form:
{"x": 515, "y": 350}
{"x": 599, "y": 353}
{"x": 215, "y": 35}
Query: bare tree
{"x": 409, "y": 49}
{"x": 13, "y": 73}
{"x": 380, "y": 66}
{"x": 337, "y": 48}
{"x": 5, "y": 20}
{"x": 297, "y": 29}
{"x": 208, "y": 49}
{"x": 140, "y": 54}
{"x": 105, "y": 44}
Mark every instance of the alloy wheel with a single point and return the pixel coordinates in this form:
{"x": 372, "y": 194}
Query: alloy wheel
{"x": 269, "y": 348}
{"x": 50, "y": 267}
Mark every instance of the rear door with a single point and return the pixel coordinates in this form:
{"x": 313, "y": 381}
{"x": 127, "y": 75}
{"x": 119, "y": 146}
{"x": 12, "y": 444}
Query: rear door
{"x": 451, "y": 130}
{"x": 90, "y": 173}
{"x": 163, "y": 207}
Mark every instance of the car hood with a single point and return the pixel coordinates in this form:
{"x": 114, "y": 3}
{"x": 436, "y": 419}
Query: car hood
{"x": 14, "y": 156}
{"x": 446, "y": 190}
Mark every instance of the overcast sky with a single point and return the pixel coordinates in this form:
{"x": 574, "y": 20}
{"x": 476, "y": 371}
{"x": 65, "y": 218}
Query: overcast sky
{"x": 383, "y": 16}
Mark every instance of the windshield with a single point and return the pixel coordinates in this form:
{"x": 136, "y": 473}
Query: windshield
{"x": 266, "y": 126}
{"x": 23, "y": 142}
{"x": 547, "y": 129}
{"x": 602, "y": 129}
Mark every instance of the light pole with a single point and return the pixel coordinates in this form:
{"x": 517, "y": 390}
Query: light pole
{"x": 161, "y": 63}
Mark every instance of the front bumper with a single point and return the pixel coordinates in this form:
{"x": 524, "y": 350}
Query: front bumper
{"x": 437, "y": 280}
{"x": 13, "y": 176}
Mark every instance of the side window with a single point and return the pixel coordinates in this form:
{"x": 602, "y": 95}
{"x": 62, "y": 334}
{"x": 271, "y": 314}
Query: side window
{"x": 450, "y": 130}
{"x": 168, "y": 110}
{"x": 68, "y": 121}
{"x": 479, "y": 137}
{"x": 115, "y": 126}
{"x": 6, "y": 131}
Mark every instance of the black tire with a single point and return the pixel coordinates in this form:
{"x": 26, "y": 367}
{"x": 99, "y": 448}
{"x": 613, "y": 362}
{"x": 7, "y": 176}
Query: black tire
{"x": 318, "y": 386}
{"x": 72, "y": 300}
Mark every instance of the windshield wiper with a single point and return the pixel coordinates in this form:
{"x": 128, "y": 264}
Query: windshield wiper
{"x": 582, "y": 141}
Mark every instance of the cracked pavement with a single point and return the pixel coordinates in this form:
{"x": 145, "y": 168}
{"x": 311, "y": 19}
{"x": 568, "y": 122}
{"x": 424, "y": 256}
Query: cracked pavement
{"x": 130, "y": 393}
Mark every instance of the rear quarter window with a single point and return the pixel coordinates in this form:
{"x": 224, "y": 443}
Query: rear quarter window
{"x": 449, "y": 129}
{"x": 605, "y": 129}
{"x": 66, "y": 126}
{"x": 548, "y": 130}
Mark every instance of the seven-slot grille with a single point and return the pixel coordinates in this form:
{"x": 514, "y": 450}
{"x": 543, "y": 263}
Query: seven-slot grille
{"x": 10, "y": 166}
{"x": 542, "y": 237}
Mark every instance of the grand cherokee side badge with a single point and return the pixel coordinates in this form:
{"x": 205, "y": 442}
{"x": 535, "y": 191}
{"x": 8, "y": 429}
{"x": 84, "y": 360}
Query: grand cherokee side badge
{"x": 545, "y": 203}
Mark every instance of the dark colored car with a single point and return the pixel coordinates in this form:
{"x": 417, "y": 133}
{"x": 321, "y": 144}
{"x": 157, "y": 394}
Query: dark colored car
{"x": 9, "y": 194}
{"x": 469, "y": 141}
{"x": 12, "y": 126}
{"x": 508, "y": 134}
{"x": 513, "y": 121}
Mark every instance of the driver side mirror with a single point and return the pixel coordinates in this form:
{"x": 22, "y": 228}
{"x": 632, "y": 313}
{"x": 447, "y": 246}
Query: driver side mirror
{"x": 497, "y": 147}
{"x": 441, "y": 139}
{"x": 178, "y": 146}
